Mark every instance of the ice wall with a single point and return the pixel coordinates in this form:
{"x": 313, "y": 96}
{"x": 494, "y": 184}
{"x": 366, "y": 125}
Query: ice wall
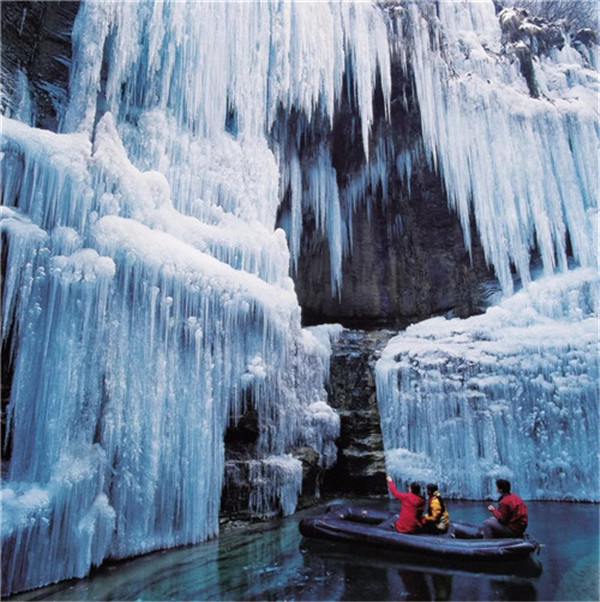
{"x": 255, "y": 64}
{"x": 512, "y": 393}
{"x": 138, "y": 333}
{"x": 147, "y": 300}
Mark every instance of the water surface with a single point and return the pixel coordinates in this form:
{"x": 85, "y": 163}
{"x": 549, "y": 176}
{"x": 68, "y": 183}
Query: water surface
{"x": 272, "y": 561}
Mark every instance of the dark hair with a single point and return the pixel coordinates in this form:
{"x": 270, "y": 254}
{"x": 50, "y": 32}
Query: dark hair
{"x": 415, "y": 488}
{"x": 503, "y": 486}
{"x": 431, "y": 489}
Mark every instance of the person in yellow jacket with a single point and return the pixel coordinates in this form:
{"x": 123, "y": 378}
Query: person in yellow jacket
{"x": 436, "y": 520}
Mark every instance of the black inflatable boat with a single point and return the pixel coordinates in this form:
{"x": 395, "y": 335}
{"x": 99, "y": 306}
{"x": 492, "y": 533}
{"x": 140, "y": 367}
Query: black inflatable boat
{"x": 369, "y": 526}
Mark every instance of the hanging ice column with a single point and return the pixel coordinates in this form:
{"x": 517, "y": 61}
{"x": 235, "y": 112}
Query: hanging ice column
{"x": 523, "y": 169}
{"x": 147, "y": 299}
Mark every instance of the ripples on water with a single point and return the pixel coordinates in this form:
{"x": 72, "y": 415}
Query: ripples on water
{"x": 273, "y": 562}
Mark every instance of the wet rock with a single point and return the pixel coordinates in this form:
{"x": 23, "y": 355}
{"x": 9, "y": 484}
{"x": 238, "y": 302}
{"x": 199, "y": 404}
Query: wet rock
{"x": 523, "y": 53}
{"x": 587, "y": 37}
{"x": 235, "y": 496}
{"x": 36, "y": 40}
{"x": 360, "y": 467}
{"x": 312, "y": 475}
{"x": 240, "y": 452}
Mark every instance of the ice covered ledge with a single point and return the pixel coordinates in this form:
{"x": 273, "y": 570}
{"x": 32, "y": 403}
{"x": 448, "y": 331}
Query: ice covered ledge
{"x": 511, "y": 393}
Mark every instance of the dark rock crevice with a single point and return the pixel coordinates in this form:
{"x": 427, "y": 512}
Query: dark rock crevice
{"x": 36, "y": 40}
{"x": 408, "y": 258}
{"x": 360, "y": 467}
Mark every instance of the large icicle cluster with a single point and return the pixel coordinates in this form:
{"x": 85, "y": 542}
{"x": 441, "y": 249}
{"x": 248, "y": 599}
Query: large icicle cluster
{"x": 137, "y": 334}
{"x": 519, "y": 170}
{"x": 253, "y": 64}
{"x": 512, "y": 393}
{"x": 147, "y": 300}
{"x": 523, "y": 169}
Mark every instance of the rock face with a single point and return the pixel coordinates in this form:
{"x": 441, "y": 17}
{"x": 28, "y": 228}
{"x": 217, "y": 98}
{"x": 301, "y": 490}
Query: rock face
{"x": 240, "y": 454}
{"x": 394, "y": 276}
{"x": 408, "y": 259}
{"x": 239, "y": 449}
{"x": 360, "y": 468}
{"x": 36, "y": 40}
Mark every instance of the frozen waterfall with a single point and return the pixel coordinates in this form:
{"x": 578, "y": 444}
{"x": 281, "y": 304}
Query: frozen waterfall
{"x": 147, "y": 299}
{"x": 512, "y": 393}
{"x": 521, "y": 168}
{"x": 138, "y": 334}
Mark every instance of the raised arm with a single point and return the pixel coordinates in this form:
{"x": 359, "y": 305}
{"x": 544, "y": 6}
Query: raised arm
{"x": 393, "y": 489}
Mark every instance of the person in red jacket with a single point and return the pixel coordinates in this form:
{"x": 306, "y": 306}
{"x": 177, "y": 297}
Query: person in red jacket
{"x": 510, "y": 518}
{"x": 411, "y": 511}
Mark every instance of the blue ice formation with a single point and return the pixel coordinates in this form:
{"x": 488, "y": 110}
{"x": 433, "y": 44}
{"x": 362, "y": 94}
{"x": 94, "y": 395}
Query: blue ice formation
{"x": 148, "y": 299}
{"x": 512, "y": 393}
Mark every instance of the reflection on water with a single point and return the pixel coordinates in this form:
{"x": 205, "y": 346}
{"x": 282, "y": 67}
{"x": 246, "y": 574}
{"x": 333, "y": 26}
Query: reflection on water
{"x": 387, "y": 575}
{"x": 273, "y": 562}
{"x": 420, "y": 586}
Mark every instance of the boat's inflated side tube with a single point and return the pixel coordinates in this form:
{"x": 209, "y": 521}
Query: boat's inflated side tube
{"x": 360, "y": 514}
{"x": 372, "y": 516}
{"x": 362, "y": 525}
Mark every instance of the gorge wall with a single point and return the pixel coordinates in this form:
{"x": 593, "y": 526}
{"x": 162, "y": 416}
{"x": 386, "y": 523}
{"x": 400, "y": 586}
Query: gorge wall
{"x": 407, "y": 258}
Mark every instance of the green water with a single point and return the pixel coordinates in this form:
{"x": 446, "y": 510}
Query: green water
{"x": 271, "y": 561}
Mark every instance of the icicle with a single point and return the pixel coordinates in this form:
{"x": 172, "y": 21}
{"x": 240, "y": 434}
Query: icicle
{"x": 323, "y": 198}
{"x": 295, "y": 184}
{"x": 481, "y": 127}
{"x": 276, "y": 481}
{"x": 23, "y": 110}
{"x": 25, "y": 244}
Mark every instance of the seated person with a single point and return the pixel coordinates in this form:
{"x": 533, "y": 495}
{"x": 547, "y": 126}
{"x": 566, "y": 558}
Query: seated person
{"x": 411, "y": 511}
{"x": 436, "y": 520}
{"x": 510, "y": 518}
